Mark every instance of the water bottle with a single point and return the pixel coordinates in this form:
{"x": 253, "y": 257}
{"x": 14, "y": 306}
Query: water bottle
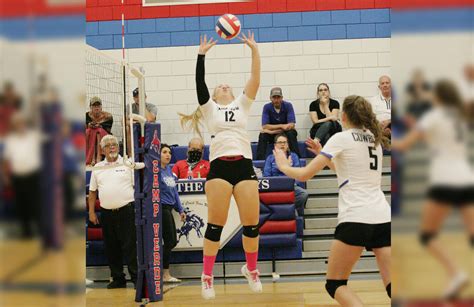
{"x": 190, "y": 174}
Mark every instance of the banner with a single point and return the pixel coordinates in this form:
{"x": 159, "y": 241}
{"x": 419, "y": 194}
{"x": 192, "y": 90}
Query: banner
{"x": 191, "y": 232}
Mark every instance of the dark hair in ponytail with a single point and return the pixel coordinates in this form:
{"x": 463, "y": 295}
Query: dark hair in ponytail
{"x": 359, "y": 112}
{"x": 163, "y": 146}
{"x": 448, "y": 95}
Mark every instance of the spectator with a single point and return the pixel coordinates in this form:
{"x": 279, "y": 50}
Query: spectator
{"x": 98, "y": 124}
{"x": 117, "y": 212}
{"x": 10, "y": 102}
{"x": 278, "y": 117}
{"x": 150, "y": 109}
{"x": 169, "y": 201}
{"x": 22, "y": 159}
{"x": 271, "y": 169}
{"x": 199, "y": 167}
{"x": 419, "y": 101}
{"x": 382, "y": 105}
{"x": 324, "y": 113}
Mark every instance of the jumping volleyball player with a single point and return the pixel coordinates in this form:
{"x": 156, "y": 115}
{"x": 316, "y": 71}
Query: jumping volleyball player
{"x": 444, "y": 129}
{"x": 364, "y": 214}
{"x": 231, "y": 171}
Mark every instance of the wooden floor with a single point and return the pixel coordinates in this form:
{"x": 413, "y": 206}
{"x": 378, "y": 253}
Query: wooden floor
{"x": 416, "y": 274}
{"x": 305, "y": 293}
{"x": 30, "y": 276}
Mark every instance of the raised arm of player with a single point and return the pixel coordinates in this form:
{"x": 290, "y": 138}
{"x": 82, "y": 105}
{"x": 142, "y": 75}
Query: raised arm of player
{"x": 300, "y": 173}
{"x": 201, "y": 87}
{"x": 253, "y": 83}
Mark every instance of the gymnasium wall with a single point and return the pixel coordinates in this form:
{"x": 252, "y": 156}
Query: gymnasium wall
{"x": 302, "y": 43}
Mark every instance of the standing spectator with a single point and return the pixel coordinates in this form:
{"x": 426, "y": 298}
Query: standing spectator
{"x": 271, "y": 169}
{"x": 169, "y": 200}
{"x": 150, "y": 109}
{"x": 117, "y": 212}
{"x": 98, "y": 124}
{"x": 22, "y": 159}
{"x": 10, "y": 102}
{"x": 199, "y": 167}
{"x": 324, "y": 113}
{"x": 382, "y": 105}
{"x": 278, "y": 117}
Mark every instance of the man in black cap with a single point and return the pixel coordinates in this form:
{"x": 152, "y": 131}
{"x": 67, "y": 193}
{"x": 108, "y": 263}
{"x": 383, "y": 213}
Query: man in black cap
{"x": 278, "y": 117}
{"x": 150, "y": 109}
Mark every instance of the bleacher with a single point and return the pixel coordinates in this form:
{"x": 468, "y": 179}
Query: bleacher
{"x": 290, "y": 245}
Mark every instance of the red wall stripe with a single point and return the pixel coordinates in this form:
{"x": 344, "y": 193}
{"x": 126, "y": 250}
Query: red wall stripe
{"x": 183, "y": 10}
{"x": 23, "y": 8}
{"x": 301, "y": 5}
{"x": 244, "y": 7}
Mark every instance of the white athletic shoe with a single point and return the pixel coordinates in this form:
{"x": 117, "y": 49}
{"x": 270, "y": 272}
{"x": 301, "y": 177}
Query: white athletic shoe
{"x": 253, "y": 279}
{"x": 207, "y": 287}
{"x": 456, "y": 285}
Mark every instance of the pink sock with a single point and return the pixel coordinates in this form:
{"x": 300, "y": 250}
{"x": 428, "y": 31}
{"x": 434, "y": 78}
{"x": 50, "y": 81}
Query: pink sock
{"x": 251, "y": 260}
{"x": 208, "y": 264}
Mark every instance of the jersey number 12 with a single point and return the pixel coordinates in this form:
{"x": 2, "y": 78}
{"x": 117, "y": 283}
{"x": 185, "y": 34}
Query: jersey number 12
{"x": 229, "y": 116}
{"x": 373, "y": 164}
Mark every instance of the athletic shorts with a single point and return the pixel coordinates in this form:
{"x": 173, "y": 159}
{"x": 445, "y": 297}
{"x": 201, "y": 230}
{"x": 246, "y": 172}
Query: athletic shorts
{"x": 453, "y": 196}
{"x": 366, "y": 235}
{"x": 232, "y": 171}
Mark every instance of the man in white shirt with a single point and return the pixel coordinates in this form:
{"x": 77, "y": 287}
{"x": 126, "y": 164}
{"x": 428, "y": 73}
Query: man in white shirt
{"x": 117, "y": 212}
{"x": 22, "y": 169}
{"x": 382, "y": 104}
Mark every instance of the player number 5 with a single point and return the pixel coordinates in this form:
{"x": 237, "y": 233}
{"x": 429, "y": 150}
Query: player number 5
{"x": 374, "y": 163}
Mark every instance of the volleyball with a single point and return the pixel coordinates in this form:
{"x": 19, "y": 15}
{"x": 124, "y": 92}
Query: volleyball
{"x": 228, "y": 26}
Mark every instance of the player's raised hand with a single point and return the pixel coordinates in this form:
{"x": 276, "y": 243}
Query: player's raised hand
{"x": 280, "y": 158}
{"x": 313, "y": 146}
{"x": 205, "y": 44}
{"x": 249, "y": 40}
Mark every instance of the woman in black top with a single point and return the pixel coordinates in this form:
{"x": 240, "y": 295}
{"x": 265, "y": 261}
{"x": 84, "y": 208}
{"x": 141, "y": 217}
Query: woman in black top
{"x": 324, "y": 113}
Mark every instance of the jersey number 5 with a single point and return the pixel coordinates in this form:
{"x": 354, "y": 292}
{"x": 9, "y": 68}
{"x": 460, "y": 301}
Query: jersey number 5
{"x": 229, "y": 116}
{"x": 373, "y": 164}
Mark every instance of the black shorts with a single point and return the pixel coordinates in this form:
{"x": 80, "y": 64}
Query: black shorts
{"x": 366, "y": 235}
{"x": 454, "y": 196}
{"x": 232, "y": 171}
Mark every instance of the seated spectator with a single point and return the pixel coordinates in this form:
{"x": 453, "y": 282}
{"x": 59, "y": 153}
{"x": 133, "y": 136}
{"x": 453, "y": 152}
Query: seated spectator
{"x": 10, "y": 102}
{"x": 278, "y": 117}
{"x": 382, "y": 105}
{"x": 98, "y": 124}
{"x": 199, "y": 167}
{"x": 150, "y": 109}
{"x": 271, "y": 169}
{"x": 324, "y": 113}
{"x": 419, "y": 100}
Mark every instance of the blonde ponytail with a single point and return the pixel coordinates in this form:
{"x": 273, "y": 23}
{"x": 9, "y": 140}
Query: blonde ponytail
{"x": 191, "y": 122}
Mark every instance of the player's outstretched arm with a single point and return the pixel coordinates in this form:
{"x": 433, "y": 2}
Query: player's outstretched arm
{"x": 253, "y": 83}
{"x": 407, "y": 141}
{"x": 299, "y": 173}
{"x": 201, "y": 87}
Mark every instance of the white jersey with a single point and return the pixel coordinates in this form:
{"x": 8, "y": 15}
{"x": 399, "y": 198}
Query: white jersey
{"x": 382, "y": 107}
{"x": 446, "y": 136}
{"x": 228, "y": 127}
{"x": 358, "y": 165}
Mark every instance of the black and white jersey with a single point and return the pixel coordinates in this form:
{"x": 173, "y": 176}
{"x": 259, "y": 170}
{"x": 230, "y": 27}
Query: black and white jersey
{"x": 227, "y": 125}
{"x": 446, "y": 136}
{"x": 358, "y": 165}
